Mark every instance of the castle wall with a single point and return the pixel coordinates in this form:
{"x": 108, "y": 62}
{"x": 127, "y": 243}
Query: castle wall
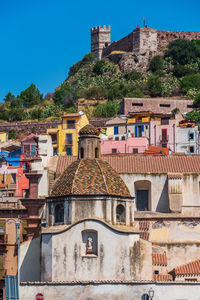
{"x": 125, "y": 44}
{"x": 164, "y": 37}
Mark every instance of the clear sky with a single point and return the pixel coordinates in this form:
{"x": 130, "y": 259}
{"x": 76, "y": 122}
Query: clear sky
{"x": 41, "y": 39}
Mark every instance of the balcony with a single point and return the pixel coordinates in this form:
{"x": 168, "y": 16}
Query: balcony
{"x": 164, "y": 138}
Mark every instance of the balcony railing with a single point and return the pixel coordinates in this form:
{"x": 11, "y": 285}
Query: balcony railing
{"x": 69, "y": 142}
{"x": 164, "y": 139}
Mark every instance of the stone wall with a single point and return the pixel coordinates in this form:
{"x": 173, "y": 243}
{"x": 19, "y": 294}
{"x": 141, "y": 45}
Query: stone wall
{"x": 164, "y": 37}
{"x": 27, "y": 128}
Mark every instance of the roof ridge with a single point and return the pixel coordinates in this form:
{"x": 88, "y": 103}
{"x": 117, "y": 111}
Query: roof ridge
{"x": 75, "y": 176}
{"x": 102, "y": 176}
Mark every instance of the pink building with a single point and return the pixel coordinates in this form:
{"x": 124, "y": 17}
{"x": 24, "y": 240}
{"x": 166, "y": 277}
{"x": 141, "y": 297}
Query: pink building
{"x": 163, "y": 133}
{"x": 131, "y": 145}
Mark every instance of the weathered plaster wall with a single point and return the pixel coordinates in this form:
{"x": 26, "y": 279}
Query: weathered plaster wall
{"x": 132, "y": 291}
{"x": 117, "y": 254}
{"x": 180, "y": 240}
{"x": 30, "y": 260}
{"x": 159, "y": 189}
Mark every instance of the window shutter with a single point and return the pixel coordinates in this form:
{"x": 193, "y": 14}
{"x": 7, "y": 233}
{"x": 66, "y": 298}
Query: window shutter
{"x": 136, "y": 131}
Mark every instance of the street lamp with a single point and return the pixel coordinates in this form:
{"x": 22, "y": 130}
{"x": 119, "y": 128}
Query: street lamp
{"x": 17, "y": 225}
{"x": 151, "y": 293}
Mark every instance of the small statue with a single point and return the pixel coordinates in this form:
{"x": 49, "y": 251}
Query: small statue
{"x": 89, "y": 249}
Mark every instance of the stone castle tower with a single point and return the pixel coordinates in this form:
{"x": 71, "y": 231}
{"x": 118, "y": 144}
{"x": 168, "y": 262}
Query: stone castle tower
{"x": 100, "y": 39}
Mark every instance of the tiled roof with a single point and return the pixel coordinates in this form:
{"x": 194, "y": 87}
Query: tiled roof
{"x": 89, "y": 130}
{"x": 159, "y": 259}
{"x": 191, "y": 268}
{"x": 99, "y": 122}
{"x": 116, "y": 121}
{"x": 154, "y": 164}
{"x": 162, "y": 277}
{"x": 144, "y": 163}
{"x": 90, "y": 177}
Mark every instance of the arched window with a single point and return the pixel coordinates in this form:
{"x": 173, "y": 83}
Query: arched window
{"x": 96, "y": 152}
{"x": 59, "y": 213}
{"x": 120, "y": 213}
{"x": 82, "y": 152}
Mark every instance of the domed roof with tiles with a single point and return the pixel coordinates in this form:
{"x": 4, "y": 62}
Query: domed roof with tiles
{"x": 90, "y": 177}
{"x": 89, "y": 130}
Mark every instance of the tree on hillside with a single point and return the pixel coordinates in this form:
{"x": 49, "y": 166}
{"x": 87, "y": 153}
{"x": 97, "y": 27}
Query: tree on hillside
{"x": 65, "y": 96}
{"x": 31, "y": 96}
{"x": 182, "y": 51}
{"x": 9, "y": 98}
{"x": 156, "y": 64}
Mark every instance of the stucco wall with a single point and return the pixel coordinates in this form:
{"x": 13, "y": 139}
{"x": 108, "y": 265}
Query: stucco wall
{"x": 183, "y": 141}
{"x": 159, "y": 200}
{"x": 132, "y": 291}
{"x": 117, "y": 254}
{"x": 30, "y": 260}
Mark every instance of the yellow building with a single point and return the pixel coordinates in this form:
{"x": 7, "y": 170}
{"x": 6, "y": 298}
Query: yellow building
{"x": 3, "y": 137}
{"x": 65, "y": 137}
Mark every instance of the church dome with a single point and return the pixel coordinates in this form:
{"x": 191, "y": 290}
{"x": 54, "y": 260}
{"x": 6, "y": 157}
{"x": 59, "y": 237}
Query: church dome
{"x": 90, "y": 177}
{"x": 89, "y": 130}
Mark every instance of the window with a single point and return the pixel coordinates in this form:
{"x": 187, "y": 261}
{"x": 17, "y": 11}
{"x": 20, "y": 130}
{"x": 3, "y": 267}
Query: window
{"x": 164, "y": 135}
{"x": 189, "y": 106}
{"x": 120, "y": 213}
{"x": 191, "y": 149}
{"x": 54, "y": 138}
{"x": 59, "y": 213}
{"x": 33, "y": 150}
{"x": 27, "y": 149}
{"x": 71, "y": 124}
{"x": 123, "y": 138}
{"x": 137, "y": 104}
{"x": 164, "y": 105}
{"x": 142, "y": 200}
{"x": 114, "y": 150}
{"x": 135, "y": 150}
{"x": 55, "y": 151}
{"x": 69, "y": 151}
{"x": 165, "y": 121}
{"x": 69, "y": 139}
{"x": 156, "y": 272}
{"x": 13, "y": 178}
{"x": 116, "y": 130}
{"x": 116, "y": 138}
{"x": 139, "y": 130}
{"x": 82, "y": 152}
{"x": 89, "y": 245}
{"x": 191, "y": 136}
{"x": 1, "y": 294}
{"x": 96, "y": 152}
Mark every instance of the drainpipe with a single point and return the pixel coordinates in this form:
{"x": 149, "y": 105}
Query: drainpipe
{"x": 174, "y": 137}
{"x": 155, "y": 135}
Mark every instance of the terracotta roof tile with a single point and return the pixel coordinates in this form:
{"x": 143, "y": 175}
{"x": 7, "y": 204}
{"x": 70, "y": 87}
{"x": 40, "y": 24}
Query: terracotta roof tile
{"x": 162, "y": 277}
{"x": 89, "y": 130}
{"x": 90, "y": 177}
{"x": 144, "y": 235}
{"x": 159, "y": 259}
{"x": 144, "y": 163}
{"x": 144, "y": 225}
{"x": 191, "y": 268}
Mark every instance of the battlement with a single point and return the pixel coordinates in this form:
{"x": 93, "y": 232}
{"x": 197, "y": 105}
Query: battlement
{"x": 100, "y": 28}
{"x": 140, "y": 40}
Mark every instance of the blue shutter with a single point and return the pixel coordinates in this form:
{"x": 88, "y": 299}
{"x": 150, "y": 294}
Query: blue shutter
{"x": 136, "y": 131}
{"x": 142, "y": 127}
{"x": 115, "y": 129}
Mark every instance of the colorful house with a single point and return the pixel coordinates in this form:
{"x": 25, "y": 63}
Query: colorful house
{"x": 65, "y": 137}
{"x": 131, "y": 145}
{"x": 11, "y": 151}
{"x": 138, "y": 124}
{"x": 188, "y": 137}
{"x": 3, "y": 137}
{"x": 163, "y": 131}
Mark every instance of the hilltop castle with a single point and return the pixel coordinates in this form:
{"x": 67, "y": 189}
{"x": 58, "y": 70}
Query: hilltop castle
{"x": 141, "y": 44}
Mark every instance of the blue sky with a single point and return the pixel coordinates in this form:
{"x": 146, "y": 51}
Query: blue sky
{"x": 41, "y": 39}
